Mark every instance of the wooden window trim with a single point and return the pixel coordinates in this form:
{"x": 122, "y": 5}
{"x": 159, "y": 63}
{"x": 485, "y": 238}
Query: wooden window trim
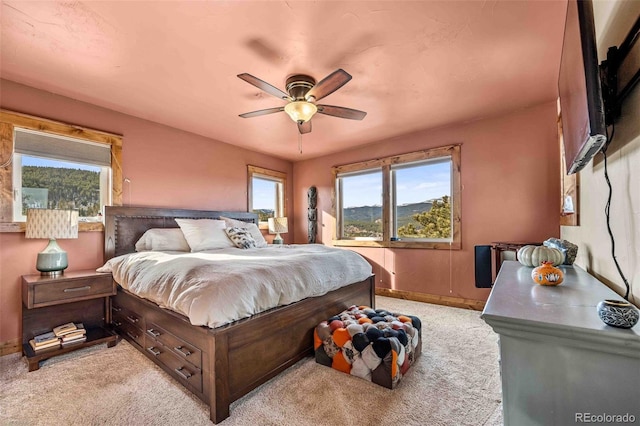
{"x": 569, "y": 185}
{"x": 385, "y": 164}
{"x": 10, "y": 120}
{"x": 260, "y": 171}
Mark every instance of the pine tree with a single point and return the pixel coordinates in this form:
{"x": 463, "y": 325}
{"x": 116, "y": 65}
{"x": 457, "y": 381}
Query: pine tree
{"x": 435, "y": 223}
{"x": 67, "y": 188}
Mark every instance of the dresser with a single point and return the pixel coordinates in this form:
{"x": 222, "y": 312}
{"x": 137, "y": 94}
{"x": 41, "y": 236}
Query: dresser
{"x": 560, "y": 364}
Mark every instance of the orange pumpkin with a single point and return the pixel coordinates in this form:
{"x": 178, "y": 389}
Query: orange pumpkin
{"x": 547, "y": 274}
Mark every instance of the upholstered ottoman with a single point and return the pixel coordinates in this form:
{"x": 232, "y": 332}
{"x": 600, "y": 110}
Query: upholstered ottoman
{"x": 375, "y": 345}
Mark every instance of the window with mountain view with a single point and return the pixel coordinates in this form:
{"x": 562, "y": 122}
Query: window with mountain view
{"x": 57, "y": 172}
{"x": 55, "y": 165}
{"x": 266, "y": 193}
{"x": 421, "y": 202}
{"x": 361, "y": 205}
{"x": 409, "y": 201}
{"x": 53, "y": 184}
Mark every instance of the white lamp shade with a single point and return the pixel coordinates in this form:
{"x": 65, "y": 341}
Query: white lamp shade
{"x": 50, "y": 223}
{"x": 300, "y": 111}
{"x": 278, "y": 225}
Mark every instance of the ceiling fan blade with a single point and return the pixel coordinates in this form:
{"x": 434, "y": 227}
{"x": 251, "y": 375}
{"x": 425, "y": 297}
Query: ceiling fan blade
{"x": 264, "y": 86}
{"x": 328, "y": 85}
{"x": 342, "y": 112}
{"x": 261, "y": 112}
{"x": 304, "y": 127}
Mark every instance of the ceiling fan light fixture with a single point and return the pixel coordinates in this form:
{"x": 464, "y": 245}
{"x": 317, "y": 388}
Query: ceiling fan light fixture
{"x": 300, "y": 111}
{"x": 302, "y": 94}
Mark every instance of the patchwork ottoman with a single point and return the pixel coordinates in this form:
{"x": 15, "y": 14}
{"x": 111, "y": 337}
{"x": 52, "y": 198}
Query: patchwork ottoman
{"x": 372, "y": 344}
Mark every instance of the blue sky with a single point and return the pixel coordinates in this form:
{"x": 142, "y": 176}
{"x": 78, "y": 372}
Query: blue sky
{"x": 45, "y": 162}
{"x": 264, "y": 194}
{"x": 413, "y": 185}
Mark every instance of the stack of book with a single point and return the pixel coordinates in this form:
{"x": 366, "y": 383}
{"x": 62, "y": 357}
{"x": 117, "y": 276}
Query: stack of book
{"x": 45, "y": 341}
{"x": 70, "y": 333}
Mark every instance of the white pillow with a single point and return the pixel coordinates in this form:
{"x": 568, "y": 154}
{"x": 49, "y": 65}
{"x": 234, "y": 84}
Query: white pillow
{"x": 204, "y": 234}
{"x": 141, "y": 244}
{"x": 251, "y": 227}
{"x": 163, "y": 239}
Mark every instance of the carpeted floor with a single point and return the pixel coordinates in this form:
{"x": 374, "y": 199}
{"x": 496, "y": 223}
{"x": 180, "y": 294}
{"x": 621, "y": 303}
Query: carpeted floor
{"x": 455, "y": 382}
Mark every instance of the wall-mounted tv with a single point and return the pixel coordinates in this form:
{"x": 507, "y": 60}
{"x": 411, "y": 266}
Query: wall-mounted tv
{"x": 582, "y": 107}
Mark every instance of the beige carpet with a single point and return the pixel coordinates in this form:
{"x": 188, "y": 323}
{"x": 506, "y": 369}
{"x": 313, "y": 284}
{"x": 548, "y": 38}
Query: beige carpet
{"x": 455, "y": 382}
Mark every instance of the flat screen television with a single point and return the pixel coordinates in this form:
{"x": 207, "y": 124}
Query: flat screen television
{"x": 580, "y": 90}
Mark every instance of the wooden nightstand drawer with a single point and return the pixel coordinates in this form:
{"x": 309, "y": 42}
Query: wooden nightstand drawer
{"x": 45, "y": 291}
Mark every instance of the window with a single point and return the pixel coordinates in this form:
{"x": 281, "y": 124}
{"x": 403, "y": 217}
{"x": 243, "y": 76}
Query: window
{"x": 55, "y": 172}
{"x": 361, "y": 205}
{"x": 410, "y": 200}
{"x": 267, "y": 189}
{"x": 46, "y": 164}
{"x": 421, "y": 208}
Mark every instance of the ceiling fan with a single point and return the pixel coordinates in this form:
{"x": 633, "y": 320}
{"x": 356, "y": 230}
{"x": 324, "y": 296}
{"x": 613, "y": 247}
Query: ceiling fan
{"x": 303, "y": 93}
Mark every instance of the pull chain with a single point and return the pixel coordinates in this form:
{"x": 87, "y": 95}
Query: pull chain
{"x": 300, "y": 142}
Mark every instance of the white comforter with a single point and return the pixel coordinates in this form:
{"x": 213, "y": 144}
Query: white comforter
{"x": 217, "y": 287}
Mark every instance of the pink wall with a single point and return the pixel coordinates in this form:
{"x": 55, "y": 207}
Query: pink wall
{"x": 510, "y": 170}
{"x": 167, "y": 168}
{"x": 510, "y": 186}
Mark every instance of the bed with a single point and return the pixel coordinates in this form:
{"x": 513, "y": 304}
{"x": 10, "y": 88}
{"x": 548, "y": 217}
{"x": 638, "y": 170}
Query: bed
{"x": 219, "y": 365}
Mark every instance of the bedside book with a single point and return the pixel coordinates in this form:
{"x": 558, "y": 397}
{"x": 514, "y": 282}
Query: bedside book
{"x": 78, "y": 332}
{"x": 64, "y": 329}
{"x": 45, "y": 338}
{"x": 53, "y": 344}
{"x": 75, "y": 341}
{"x": 71, "y": 337}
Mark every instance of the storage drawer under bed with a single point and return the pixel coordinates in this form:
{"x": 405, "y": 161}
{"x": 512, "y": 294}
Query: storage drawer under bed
{"x": 127, "y": 322}
{"x": 139, "y": 325}
{"x": 182, "y": 370}
{"x": 124, "y": 327}
{"x": 178, "y": 346}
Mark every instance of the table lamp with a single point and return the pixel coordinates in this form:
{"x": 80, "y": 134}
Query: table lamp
{"x": 278, "y": 225}
{"x": 52, "y": 224}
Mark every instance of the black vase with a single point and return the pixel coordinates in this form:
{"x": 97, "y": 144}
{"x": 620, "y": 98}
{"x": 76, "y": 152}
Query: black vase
{"x": 618, "y": 313}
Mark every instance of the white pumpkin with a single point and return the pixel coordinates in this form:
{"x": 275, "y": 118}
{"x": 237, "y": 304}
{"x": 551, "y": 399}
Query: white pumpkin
{"x": 535, "y": 255}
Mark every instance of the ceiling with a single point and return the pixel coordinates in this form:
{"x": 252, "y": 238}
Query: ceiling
{"x": 415, "y": 65}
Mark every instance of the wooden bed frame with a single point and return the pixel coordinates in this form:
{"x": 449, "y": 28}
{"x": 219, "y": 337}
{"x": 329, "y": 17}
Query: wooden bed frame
{"x": 227, "y": 362}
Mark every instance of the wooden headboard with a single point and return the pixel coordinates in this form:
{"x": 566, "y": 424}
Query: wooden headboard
{"x": 123, "y": 226}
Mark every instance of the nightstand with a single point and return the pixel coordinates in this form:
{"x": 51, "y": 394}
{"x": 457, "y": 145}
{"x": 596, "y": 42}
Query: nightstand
{"x": 80, "y": 296}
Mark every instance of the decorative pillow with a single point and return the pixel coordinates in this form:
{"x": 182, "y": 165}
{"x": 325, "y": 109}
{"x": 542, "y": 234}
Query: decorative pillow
{"x": 241, "y": 237}
{"x": 204, "y": 234}
{"x": 251, "y": 227}
{"x": 163, "y": 239}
